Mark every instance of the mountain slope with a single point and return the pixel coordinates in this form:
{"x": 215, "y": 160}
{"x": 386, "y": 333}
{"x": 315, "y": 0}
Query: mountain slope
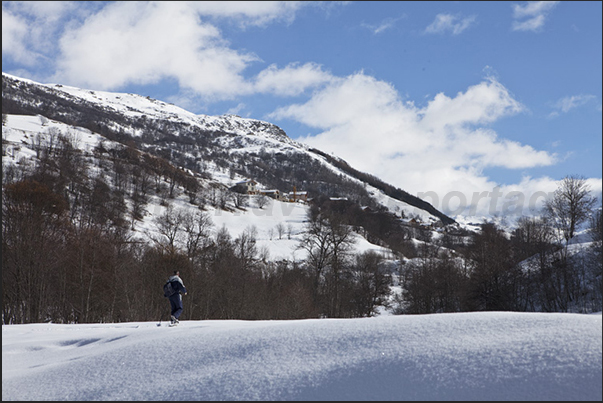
{"x": 98, "y": 185}
{"x": 246, "y": 148}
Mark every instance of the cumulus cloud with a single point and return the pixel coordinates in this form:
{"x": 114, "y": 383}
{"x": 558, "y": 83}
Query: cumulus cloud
{"x": 291, "y": 80}
{"x": 30, "y": 28}
{"x": 110, "y": 45}
{"x": 454, "y": 24}
{"x": 482, "y": 103}
{"x": 14, "y": 34}
{"x": 440, "y": 149}
{"x": 127, "y": 42}
{"x": 532, "y": 15}
{"x": 247, "y": 13}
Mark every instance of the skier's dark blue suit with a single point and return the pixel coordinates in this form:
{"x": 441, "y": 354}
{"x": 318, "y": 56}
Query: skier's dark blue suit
{"x": 176, "y": 299}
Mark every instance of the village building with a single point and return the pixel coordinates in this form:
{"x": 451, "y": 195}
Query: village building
{"x": 273, "y": 193}
{"x": 248, "y": 186}
{"x": 297, "y": 196}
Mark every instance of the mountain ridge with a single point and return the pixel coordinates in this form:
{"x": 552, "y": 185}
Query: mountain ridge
{"x": 162, "y": 129}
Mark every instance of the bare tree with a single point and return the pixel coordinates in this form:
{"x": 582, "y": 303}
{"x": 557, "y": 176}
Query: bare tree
{"x": 594, "y": 261}
{"x": 532, "y": 236}
{"x": 197, "y": 227}
{"x": 280, "y": 230}
{"x": 596, "y": 229}
{"x": 240, "y": 200}
{"x": 493, "y": 276}
{"x": 262, "y": 201}
{"x": 371, "y": 284}
{"x": 289, "y": 230}
{"x": 169, "y": 224}
{"x": 223, "y": 198}
{"x": 327, "y": 241}
{"x": 316, "y": 241}
{"x": 245, "y": 246}
{"x": 570, "y": 206}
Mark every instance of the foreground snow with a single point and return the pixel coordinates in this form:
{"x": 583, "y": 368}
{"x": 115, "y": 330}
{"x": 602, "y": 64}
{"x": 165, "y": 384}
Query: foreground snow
{"x": 466, "y": 356}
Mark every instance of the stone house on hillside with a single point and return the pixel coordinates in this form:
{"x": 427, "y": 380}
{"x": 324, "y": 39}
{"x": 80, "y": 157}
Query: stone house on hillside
{"x": 298, "y": 196}
{"x": 274, "y": 193}
{"x": 248, "y": 186}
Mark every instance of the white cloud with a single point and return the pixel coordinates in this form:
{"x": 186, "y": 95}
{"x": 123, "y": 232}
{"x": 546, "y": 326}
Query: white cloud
{"x": 528, "y": 196}
{"x": 449, "y": 23}
{"x": 127, "y": 42}
{"x": 386, "y": 24}
{"x": 109, "y": 45}
{"x": 568, "y": 103}
{"x": 441, "y": 148}
{"x": 533, "y": 8}
{"x": 535, "y": 12}
{"x": 482, "y": 103}
{"x": 14, "y": 36}
{"x": 291, "y": 80}
{"x": 533, "y": 24}
{"x": 250, "y": 12}
{"x": 237, "y": 109}
{"x": 30, "y": 28}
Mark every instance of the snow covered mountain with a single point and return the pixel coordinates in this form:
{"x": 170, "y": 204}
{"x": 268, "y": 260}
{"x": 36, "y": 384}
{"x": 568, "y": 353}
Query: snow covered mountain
{"x": 246, "y": 148}
{"x": 129, "y": 170}
{"x": 147, "y": 173}
{"x": 209, "y": 155}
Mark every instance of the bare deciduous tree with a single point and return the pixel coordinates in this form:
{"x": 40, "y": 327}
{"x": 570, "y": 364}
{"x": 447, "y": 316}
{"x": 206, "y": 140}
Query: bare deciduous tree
{"x": 594, "y": 261}
{"x": 570, "y": 206}
{"x": 280, "y": 230}
{"x": 262, "y": 201}
{"x": 197, "y": 227}
{"x": 289, "y": 230}
{"x": 240, "y": 200}
{"x": 169, "y": 224}
{"x": 493, "y": 275}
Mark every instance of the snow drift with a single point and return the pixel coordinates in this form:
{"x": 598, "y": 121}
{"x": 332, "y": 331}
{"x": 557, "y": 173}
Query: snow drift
{"x": 464, "y": 356}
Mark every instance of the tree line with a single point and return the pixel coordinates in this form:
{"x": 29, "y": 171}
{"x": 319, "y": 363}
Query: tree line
{"x": 69, "y": 254}
{"x": 58, "y": 270}
{"x": 536, "y": 268}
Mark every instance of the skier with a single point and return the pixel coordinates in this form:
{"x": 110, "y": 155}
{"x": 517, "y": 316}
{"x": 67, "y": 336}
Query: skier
{"x": 176, "y": 297}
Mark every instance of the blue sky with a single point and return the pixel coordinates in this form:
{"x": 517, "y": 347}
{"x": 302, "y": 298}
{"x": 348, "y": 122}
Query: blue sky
{"x": 452, "y": 99}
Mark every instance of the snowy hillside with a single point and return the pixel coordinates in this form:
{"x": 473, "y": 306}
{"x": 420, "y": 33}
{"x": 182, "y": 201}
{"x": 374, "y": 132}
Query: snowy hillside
{"x": 20, "y": 133}
{"x": 238, "y": 137}
{"x": 133, "y": 177}
{"x": 136, "y": 106}
{"x": 464, "y": 356}
{"x": 149, "y": 122}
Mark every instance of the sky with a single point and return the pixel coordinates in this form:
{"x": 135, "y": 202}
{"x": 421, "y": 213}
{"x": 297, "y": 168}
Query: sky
{"x": 476, "y": 107}
{"x": 462, "y": 356}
